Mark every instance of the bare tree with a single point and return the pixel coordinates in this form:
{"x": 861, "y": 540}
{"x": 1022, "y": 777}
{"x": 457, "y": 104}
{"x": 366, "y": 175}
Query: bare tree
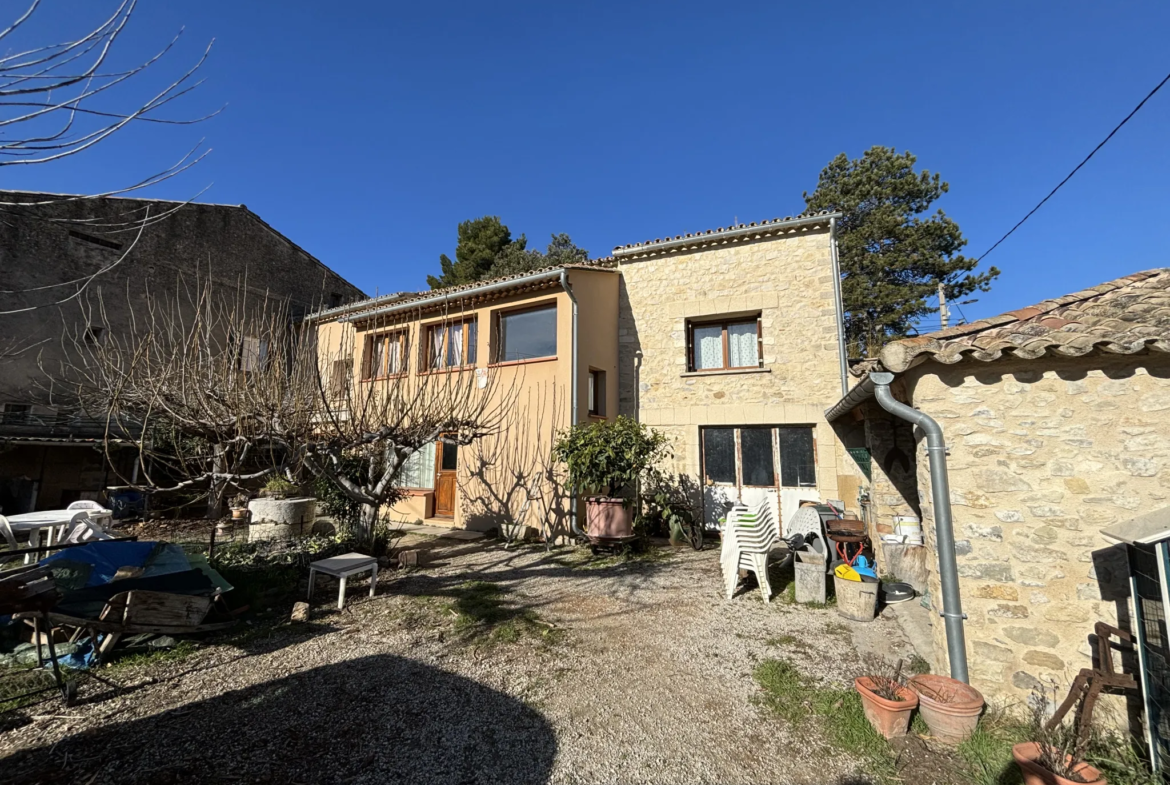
{"x": 212, "y": 383}
{"x": 383, "y": 422}
{"x": 64, "y": 98}
{"x": 220, "y": 388}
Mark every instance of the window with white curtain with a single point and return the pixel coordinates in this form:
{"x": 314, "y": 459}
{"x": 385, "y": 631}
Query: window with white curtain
{"x": 451, "y": 344}
{"x": 724, "y": 345}
{"x": 418, "y": 471}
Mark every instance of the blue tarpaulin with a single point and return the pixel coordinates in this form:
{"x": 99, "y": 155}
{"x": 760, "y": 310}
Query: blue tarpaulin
{"x": 96, "y": 563}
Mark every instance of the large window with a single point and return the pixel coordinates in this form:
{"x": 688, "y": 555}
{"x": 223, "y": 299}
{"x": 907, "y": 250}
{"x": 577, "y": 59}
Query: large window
{"x": 723, "y": 345}
{"x": 526, "y": 335}
{"x": 748, "y": 455}
{"x": 451, "y": 345}
{"x": 385, "y": 355}
{"x": 418, "y": 471}
{"x": 253, "y": 353}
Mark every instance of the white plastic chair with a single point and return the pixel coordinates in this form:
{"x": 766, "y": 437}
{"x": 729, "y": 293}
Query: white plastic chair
{"x": 34, "y": 538}
{"x": 748, "y": 539}
{"x": 86, "y": 504}
{"x": 86, "y": 531}
{"x": 64, "y": 531}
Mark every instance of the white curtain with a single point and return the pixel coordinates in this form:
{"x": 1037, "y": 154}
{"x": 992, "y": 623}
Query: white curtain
{"x": 436, "y": 347}
{"x": 708, "y": 347}
{"x": 454, "y": 345}
{"x": 377, "y": 356}
{"x": 741, "y": 345}
{"x": 418, "y": 471}
{"x": 394, "y": 354}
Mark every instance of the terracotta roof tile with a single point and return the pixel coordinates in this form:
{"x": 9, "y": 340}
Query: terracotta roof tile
{"x": 1124, "y": 316}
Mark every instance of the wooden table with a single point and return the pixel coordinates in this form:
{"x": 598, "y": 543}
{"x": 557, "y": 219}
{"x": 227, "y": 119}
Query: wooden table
{"x": 341, "y": 567}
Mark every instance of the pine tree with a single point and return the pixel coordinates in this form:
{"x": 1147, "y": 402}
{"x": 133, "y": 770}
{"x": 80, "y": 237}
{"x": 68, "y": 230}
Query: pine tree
{"x": 480, "y": 242}
{"x": 892, "y": 259}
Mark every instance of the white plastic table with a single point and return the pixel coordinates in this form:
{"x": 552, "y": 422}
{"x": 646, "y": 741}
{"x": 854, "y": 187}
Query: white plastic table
{"x": 341, "y": 567}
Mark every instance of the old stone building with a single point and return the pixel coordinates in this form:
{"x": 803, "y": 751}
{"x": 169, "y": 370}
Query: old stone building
{"x": 64, "y": 258}
{"x": 1055, "y": 418}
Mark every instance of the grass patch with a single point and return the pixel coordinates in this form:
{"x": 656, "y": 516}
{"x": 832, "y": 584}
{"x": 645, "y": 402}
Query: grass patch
{"x": 484, "y": 613}
{"x": 987, "y": 755}
{"x": 635, "y": 553}
{"x": 837, "y": 713}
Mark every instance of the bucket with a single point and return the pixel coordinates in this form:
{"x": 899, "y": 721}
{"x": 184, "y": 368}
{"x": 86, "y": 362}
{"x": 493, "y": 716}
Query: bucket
{"x": 908, "y": 528}
{"x": 811, "y": 585}
{"x": 856, "y": 600}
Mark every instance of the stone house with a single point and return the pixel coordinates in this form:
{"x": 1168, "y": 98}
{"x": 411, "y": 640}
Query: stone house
{"x": 50, "y": 457}
{"x": 1055, "y": 419}
{"x": 728, "y": 340}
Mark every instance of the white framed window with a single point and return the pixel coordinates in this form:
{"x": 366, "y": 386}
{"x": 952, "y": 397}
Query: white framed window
{"x": 764, "y": 456}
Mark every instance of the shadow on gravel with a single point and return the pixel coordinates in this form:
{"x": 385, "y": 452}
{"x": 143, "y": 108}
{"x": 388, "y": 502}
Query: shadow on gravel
{"x": 376, "y": 719}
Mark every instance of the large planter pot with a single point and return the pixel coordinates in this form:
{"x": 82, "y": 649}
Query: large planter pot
{"x": 889, "y": 718}
{"x": 950, "y": 707}
{"x": 1027, "y": 757}
{"x": 608, "y": 518}
{"x": 280, "y": 519}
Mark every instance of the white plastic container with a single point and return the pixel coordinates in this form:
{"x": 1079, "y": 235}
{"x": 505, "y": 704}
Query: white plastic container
{"x": 909, "y": 528}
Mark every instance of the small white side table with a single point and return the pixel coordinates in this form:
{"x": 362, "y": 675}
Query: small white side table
{"x": 341, "y": 567}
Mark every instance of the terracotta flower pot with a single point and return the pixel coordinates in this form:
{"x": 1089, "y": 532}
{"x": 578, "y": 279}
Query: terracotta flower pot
{"x": 1027, "y": 757}
{"x": 608, "y": 518}
{"x": 950, "y": 707}
{"x": 239, "y": 512}
{"x": 889, "y": 718}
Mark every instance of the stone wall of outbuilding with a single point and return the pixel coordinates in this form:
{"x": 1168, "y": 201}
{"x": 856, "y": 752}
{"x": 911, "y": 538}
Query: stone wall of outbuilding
{"x": 1043, "y": 454}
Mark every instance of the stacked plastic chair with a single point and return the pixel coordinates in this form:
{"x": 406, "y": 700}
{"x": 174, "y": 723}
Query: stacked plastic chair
{"x": 748, "y": 539}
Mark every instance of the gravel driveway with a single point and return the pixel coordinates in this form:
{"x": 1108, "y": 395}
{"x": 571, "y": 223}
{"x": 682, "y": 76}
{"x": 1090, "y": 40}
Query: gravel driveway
{"x": 647, "y": 679}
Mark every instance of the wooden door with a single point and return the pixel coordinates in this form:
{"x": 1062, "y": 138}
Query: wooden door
{"x": 446, "y": 466}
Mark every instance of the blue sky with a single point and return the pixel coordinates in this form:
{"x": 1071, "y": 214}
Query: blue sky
{"x": 366, "y": 131}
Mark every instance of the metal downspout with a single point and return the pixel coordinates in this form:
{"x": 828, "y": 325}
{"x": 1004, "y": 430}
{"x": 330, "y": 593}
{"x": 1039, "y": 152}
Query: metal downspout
{"x": 840, "y": 305}
{"x": 573, "y": 299}
{"x": 940, "y": 491}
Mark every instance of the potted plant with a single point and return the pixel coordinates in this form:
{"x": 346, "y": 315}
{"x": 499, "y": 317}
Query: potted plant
{"x": 887, "y": 701}
{"x": 948, "y": 706}
{"x": 606, "y": 459}
{"x": 239, "y": 506}
{"x": 278, "y": 487}
{"x": 1056, "y": 755}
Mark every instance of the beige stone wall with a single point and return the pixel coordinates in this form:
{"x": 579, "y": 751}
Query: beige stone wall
{"x": 789, "y": 280}
{"x": 1043, "y": 455}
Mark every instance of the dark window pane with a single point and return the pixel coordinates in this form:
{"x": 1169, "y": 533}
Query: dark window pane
{"x": 719, "y": 454}
{"x": 755, "y": 446}
{"x": 797, "y": 458}
{"x": 528, "y": 334}
{"x": 450, "y": 455}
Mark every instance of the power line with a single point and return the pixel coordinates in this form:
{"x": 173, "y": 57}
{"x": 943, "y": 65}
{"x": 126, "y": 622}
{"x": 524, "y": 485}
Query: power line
{"x": 1074, "y": 171}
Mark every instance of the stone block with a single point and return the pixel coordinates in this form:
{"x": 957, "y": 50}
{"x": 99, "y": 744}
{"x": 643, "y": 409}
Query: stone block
{"x": 1068, "y": 612}
{"x": 412, "y": 558}
{"x": 1031, "y": 636}
{"x": 1005, "y": 611}
{"x": 1044, "y": 659}
{"x": 987, "y": 571}
{"x": 300, "y": 612}
{"x": 1023, "y": 680}
{"x": 997, "y": 591}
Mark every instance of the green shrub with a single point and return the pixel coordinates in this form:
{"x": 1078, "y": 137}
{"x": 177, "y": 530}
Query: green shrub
{"x": 608, "y": 457}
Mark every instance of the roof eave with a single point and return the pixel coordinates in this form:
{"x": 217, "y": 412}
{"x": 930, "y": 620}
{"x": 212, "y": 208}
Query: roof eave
{"x": 734, "y": 234}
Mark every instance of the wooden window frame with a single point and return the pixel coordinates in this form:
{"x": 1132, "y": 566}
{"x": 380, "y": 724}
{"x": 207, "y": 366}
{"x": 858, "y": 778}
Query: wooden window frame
{"x": 368, "y": 373}
{"x": 724, "y": 323}
{"x": 777, "y": 457}
{"x": 497, "y": 344}
{"x": 465, "y": 360}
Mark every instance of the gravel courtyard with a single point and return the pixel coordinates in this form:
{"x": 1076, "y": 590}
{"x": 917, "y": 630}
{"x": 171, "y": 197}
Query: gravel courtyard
{"x": 589, "y": 671}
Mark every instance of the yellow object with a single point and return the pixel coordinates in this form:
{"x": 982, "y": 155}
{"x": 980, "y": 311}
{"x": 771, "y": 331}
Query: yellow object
{"x": 846, "y": 573}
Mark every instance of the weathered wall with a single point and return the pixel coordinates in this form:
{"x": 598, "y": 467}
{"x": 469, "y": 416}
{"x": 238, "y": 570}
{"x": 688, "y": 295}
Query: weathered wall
{"x": 228, "y": 242}
{"x": 789, "y": 280}
{"x": 1043, "y": 455}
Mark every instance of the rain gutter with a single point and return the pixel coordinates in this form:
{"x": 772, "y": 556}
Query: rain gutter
{"x": 944, "y": 533}
{"x": 564, "y": 275}
{"x": 441, "y": 299}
